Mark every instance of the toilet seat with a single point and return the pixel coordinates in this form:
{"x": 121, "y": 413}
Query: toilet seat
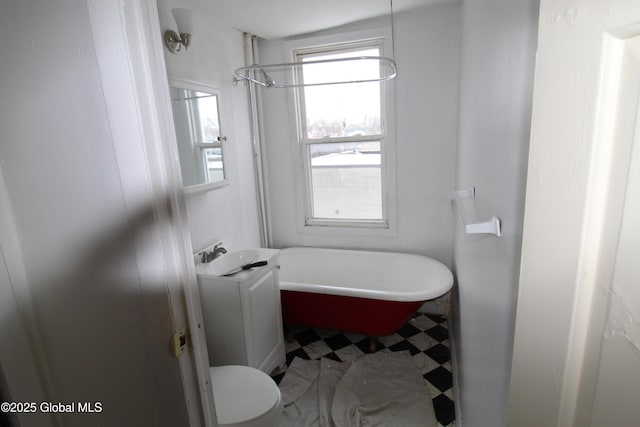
{"x": 245, "y": 397}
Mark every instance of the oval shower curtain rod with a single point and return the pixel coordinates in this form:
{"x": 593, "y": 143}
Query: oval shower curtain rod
{"x": 244, "y": 73}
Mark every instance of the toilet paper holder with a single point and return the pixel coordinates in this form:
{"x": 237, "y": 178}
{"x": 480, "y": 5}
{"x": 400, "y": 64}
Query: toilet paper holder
{"x": 465, "y": 201}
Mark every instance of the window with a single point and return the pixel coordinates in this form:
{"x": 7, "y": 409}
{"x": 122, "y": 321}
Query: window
{"x": 208, "y": 149}
{"x": 342, "y": 136}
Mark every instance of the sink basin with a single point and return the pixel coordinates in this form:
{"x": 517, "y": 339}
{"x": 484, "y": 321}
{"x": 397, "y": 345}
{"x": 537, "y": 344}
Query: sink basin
{"x": 231, "y": 260}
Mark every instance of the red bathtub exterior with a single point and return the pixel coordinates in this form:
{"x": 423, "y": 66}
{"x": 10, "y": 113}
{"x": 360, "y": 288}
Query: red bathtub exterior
{"x": 361, "y": 315}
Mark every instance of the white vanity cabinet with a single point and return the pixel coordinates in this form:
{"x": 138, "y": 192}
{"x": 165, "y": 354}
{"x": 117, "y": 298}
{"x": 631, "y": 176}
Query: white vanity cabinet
{"x": 242, "y": 314}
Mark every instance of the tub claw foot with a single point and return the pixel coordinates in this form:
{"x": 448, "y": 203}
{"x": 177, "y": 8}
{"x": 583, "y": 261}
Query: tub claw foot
{"x": 373, "y": 344}
{"x": 289, "y": 334}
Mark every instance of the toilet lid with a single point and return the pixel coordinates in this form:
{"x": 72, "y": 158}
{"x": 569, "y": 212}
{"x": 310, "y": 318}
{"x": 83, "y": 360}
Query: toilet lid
{"x": 242, "y": 393}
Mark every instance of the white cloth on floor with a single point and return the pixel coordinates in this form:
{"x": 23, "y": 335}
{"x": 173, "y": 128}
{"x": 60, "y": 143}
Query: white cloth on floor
{"x": 380, "y": 389}
{"x": 383, "y": 389}
{"x": 299, "y": 393}
{"x": 307, "y": 391}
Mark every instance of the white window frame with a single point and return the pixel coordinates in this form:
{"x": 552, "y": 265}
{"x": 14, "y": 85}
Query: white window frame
{"x": 327, "y": 45}
{"x": 199, "y": 147}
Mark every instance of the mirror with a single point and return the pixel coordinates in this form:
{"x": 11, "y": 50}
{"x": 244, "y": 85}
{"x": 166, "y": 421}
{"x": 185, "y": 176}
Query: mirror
{"x": 196, "y": 115}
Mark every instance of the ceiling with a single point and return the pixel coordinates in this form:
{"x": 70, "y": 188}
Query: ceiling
{"x": 276, "y": 19}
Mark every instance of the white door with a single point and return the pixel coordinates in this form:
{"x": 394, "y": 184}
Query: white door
{"x": 94, "y": 263}
{"x": 576, "y": 359}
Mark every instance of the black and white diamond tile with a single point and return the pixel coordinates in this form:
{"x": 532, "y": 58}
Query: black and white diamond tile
{"x": 425, "y": 336}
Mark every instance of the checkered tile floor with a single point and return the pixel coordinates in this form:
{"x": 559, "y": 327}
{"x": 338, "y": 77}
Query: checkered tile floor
{"x": 425, "y": 336}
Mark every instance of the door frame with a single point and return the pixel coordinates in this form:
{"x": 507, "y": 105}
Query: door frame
{"x": 572, "y": 211}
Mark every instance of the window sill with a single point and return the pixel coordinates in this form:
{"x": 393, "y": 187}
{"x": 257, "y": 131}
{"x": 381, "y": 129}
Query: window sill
{"x": 353, "y": 228}
{"x": 194, "y": 190}
{"x": 374, "y": 223}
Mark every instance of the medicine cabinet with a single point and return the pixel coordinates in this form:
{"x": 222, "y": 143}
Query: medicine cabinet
{"x": 201, "y": 143}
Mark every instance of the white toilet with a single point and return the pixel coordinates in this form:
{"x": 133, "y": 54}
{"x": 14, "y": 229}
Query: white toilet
{"x": 245, "y": 397}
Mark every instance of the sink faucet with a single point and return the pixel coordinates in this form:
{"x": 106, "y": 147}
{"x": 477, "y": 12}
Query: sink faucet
{"x": 217, "y": 251}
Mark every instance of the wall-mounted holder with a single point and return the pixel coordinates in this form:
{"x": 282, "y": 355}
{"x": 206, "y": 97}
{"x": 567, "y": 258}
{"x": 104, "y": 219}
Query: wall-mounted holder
{"x": 466, "y": 202}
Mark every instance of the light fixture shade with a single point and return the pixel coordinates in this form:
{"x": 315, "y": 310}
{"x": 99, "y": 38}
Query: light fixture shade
{"x": 185, "y": 20}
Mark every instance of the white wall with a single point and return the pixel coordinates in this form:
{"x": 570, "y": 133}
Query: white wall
{"x": 498, "y": 47}
{"x": 81, "y": 246}
{"x": 228, "y": 213}
{"x": 426, "y": 50}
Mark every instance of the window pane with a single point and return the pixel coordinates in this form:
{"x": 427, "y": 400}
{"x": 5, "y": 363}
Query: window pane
{"x": 346, "y": 180}
{"x": 207, "y": 122}
{"x": 345, "y": 109}
{"x": 213, "y": 164}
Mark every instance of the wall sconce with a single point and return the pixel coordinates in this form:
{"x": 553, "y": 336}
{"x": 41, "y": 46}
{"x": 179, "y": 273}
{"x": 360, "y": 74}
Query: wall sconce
{"x": 184, "y": 20}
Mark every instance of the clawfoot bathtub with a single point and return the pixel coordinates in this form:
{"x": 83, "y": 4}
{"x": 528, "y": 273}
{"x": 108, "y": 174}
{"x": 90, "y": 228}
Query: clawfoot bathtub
{"x": 367, "y": 292}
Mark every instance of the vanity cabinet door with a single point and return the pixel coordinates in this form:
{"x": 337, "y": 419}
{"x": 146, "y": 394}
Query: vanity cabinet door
{"x": 263, "y": 322}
